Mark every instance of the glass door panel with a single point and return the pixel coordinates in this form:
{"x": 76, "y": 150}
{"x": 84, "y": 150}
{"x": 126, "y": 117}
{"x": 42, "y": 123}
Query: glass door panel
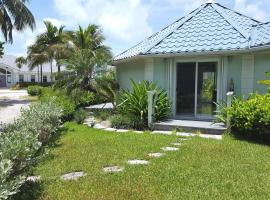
{"x": 206, "y": 89}
{"x": 186, "y": 73}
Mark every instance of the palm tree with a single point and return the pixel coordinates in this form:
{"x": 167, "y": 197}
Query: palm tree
{"x": 20, "y": 61}
{"x": 14, "y": 14}
{"x": 37, "y": 57}
{"x": 53, "y": 40}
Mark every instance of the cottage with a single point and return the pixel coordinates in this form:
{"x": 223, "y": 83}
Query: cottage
{"x": 199, "y": 58}
{"x": 10, "y": 74}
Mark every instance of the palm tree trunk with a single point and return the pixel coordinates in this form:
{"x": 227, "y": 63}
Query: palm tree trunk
{"x": 38, "y": 73}
{"x": 51, "y": 71}
{"x": 41, "y": 74}
{"x": 59, "y": 68}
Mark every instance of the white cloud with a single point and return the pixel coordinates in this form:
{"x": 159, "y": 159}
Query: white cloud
{"x": 252, "y": 9}
{"x": 124, "y": 21}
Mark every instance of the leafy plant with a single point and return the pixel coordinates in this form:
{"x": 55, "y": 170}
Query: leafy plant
{"x": 82, "y": 98}
{"x": 251, "y": 116}
{"x": 127, "y": 122}
{"x": 34, "y": 90}
{"x": 135, "y": 102}
{"x": 80, "y": 115}
{"x": 266, "y": 82}
{"x": 102, "y": 114}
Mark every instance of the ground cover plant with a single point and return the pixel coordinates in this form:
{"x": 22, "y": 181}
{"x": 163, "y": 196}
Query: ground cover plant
{"x": 201, "y": 169}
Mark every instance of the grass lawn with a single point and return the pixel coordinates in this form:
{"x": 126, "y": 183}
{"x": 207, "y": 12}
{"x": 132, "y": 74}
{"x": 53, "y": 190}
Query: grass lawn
{"x": 201, "y": 169}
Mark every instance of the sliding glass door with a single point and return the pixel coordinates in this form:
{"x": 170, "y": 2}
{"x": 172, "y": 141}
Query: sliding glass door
{"x": 196, "y": 89}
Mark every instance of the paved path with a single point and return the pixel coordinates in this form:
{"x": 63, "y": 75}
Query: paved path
{"x": 11, "y": 103}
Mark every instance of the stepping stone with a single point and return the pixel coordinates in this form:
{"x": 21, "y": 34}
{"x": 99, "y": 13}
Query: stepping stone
{"x": 138, "y": 162}
{"x": 176, "y": 144}
{"x": 170, "y": 149}
{"x": 73, "y": 176}
{"x": 215, "y": 137}
{"x": 186, "y": 134}
{"x": 183, "y": 139}
{"x": 33, "y": 179}
{"x": 110, "y": 129}
{"x": 113, "y": 169}
{"x": 98, "y": 126}
{"x": 162, "y": 132}
{"x": 155, "y": 155}
{"x": 138, "y": 131}
{"x": 122, "y": 131}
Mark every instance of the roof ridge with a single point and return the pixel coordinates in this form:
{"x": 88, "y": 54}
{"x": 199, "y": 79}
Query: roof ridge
{"x": 232, "y": 23}
{"x": 188, "y": 17}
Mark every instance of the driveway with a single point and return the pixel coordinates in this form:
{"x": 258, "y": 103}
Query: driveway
{"x": 11, "y": 102}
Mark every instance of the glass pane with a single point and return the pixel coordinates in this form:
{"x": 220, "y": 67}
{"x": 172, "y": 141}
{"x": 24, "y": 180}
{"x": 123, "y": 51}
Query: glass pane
{"x": 207, "y": 88}
{"x": 186, "y": 88}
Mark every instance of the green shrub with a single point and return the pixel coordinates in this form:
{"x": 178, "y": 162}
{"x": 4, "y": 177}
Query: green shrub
{"x": 82, "y": 98}
{"x": 80, "y": 115}
{"x": 21, "y": 144}
{"x": 251, "y": 116}
{"x": 126, "y": 122}
{"x": 135, "y": 102}
{"x": 102, "y": 114}
{"x": 34, "y": 90}
{"x": 61, "y": 99}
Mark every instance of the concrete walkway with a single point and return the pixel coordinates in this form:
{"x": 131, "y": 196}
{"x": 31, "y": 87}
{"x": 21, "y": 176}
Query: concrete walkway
{"x": 11, "y": 102}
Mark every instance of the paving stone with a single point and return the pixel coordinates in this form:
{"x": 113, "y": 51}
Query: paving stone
{"x": 98, "y": 126}
{"x": 176, "y": 144}
{"x": 138, "y": 162}
{"x": 73, "y": 176}
{"x": 162, "y": 132}
{"x": 186, "y": 134}
{"x": 122, "y": 131}
{"x": 138, "y": 131}
{"x": 183, "y": 139}
{"x": 113, "y": 169}
{"x": 156, "y": 155}
{"x": 33, "y": 179}
{"x": 110, "y": 129}
{"x": 170, "y": 149}
{"x": 216, "y": 137}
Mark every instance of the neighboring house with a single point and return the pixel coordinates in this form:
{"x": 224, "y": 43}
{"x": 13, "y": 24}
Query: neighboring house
{"x": 199, "y": 58}
{"x": 10, "y": 74}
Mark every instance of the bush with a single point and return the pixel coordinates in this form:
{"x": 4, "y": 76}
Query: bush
{"x": 135, "y": 102}
{"x": 103, "y": 114}
{"x": 126, "y": 122}
{"x": 82, "y": 98}
{"x": 34, "y": 90}
{"x": 61, "y": 99}
{"x": 251, "y": 116}
{"x": 80, "y": 115}
{"x": 21, "y": 144}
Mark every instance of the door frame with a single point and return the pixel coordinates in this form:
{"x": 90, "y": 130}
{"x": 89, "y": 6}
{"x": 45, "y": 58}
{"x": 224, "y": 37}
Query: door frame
{"x": 219, "y": 88}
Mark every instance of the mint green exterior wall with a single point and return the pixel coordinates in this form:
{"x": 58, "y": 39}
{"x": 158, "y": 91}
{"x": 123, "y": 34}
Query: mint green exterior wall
{"x": 130, "y": 70}
{"x": 261, "y": 65}
{"x": 160, "y": 72}
{"x": 234, "y": 72}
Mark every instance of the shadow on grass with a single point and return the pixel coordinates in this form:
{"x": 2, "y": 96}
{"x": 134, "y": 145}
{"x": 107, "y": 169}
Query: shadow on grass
{"x": 29, "y": 191}
{"x": 263, "y": 139}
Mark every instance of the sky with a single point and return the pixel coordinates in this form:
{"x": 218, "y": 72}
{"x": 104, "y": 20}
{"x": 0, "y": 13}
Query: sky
{"x": 124, "y": 22}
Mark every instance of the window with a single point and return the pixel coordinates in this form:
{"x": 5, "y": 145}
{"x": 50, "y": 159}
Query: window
{"x": 33, "y": 78}
{"x": 21, "y": 78}
{"x": 9, "y": 78}
{"x": 45, "y": 80}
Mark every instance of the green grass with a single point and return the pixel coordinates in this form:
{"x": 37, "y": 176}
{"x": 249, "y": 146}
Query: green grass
{"x": 202, "y": 169}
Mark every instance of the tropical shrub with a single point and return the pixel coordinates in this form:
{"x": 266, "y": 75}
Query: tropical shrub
{"x": 266, "y": 82}
{"x": 34, "y": 90}
{"x": 61, "y": 99}
{"x": 135, "y": 102}
{"x": 126, "y": 122}
{"x": 21, "y": 144}
{"x": 103, "y": 114}
{"x": 251, "y": 116}
{"x": 80, "y": 115}
{"x": 82, "y": 98}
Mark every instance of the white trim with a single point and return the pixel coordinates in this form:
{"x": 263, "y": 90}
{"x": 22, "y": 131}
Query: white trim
{"x": 247, "y": 76}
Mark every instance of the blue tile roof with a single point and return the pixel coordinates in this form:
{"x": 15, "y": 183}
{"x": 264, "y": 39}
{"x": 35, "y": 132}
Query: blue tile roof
{"x": 210, "y": 28}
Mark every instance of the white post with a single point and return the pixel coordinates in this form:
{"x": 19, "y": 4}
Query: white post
{"x": 229, "y": 104}
{"x": 150, "y": 95}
